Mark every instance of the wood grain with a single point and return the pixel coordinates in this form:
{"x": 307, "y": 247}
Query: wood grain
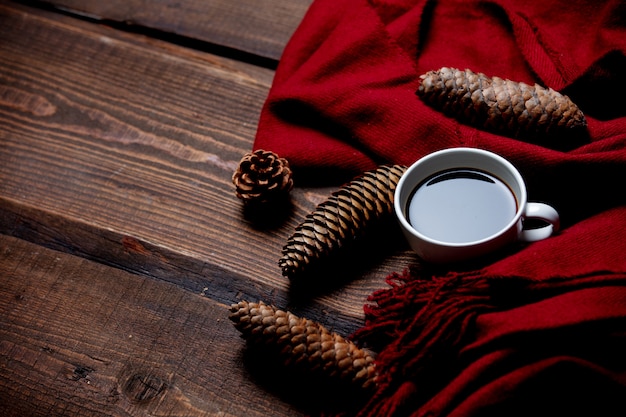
{"x": 124, "y": 134}
{"x": 121, "y": 240}
{"x": 256, "y": 27}
{"x": 110, "y": 146}
{"x": 80, "y": 338}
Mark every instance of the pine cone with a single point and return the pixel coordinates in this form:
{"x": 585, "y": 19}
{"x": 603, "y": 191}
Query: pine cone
{"x": 502, "y": 106}
{"x": 346, "y": 214}
{"x": 262, "y": 176}
{"x": 304, "y": 343}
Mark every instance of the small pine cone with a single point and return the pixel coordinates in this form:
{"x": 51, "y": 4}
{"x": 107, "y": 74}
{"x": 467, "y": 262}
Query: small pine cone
{"x": 502, "y": 106}
{"x": 345, "y": 215}
{"x": 303, "y": 343}
{"x": 262, "y": 176}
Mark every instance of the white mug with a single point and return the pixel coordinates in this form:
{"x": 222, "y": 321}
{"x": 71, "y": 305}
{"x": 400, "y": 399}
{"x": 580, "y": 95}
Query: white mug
{"x": 462, "y": 203}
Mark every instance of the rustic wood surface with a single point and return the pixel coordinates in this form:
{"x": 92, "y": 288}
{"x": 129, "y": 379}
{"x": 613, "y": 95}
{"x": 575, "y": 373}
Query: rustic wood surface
{"x": 258, "y": 27}
{"x": 122, "y": 243}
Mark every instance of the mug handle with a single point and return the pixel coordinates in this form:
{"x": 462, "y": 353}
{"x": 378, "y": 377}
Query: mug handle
{"x": 542, "y": 212}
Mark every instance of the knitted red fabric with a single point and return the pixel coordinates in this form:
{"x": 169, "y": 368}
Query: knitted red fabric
{"x": 343, "y": 97}
{"x": 541, "y": 331}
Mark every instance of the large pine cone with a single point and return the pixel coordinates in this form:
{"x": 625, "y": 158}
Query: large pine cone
{"x": 506, "y": 107}
{"x": 262, "y": 176}
{"x": 304, "y": 343}
{"x": 345, "y": 215}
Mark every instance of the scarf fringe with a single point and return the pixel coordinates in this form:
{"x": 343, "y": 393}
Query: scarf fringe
{"x": 420, "y": 325}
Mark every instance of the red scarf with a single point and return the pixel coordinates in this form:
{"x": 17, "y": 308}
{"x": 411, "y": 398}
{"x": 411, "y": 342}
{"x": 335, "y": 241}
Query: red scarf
{"x": 546, "y": 323}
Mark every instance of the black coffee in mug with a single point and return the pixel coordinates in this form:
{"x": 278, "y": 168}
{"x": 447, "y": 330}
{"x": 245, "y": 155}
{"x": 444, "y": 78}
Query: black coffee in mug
{"x": 461, "y": 206}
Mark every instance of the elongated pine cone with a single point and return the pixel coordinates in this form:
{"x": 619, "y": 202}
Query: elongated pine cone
{"x": 262, "y": 176}
{"x": 304, "y": 343}
{"x": 345, "y": 215}
{"x": 502, "y": 106}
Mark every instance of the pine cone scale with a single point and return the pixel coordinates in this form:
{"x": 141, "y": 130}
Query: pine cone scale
{"x": 345, "y": 215}
{"x": 503, "y": 106}
{"x": 304, "y": 343}
{"x": 261, "y": 177}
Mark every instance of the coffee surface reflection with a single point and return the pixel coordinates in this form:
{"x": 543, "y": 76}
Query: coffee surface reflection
{"x": 461, "y": 206}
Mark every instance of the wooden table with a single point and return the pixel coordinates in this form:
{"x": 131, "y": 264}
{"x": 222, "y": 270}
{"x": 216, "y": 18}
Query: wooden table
{"x": 122, "y": 243}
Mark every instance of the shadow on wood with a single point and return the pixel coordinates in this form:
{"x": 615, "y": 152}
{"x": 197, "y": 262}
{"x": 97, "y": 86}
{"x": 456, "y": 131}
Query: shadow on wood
{"x": 309, "y": 392}
{"x": 347, "y": 264}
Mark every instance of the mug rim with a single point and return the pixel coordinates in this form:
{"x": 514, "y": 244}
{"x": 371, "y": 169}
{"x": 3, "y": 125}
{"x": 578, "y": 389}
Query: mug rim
{"x": 399, "y": 206}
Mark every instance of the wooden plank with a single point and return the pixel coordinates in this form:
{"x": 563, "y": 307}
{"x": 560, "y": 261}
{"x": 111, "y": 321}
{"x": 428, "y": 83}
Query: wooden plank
{"x": 80, "y": 338}
{"x": 257, "y": 27}
{"x": 117, "y": 150}
{"x": 124, "y": 134}
{"x": 121, "y": 149}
